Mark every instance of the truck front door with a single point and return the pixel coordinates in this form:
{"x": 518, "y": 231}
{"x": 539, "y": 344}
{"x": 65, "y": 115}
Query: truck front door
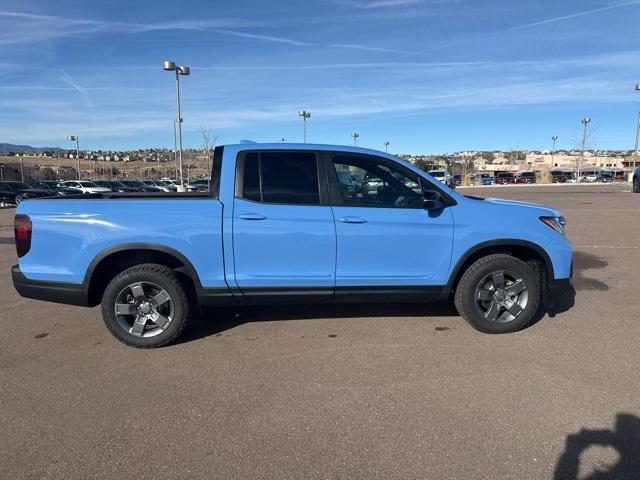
{"x": 387, "y": 241}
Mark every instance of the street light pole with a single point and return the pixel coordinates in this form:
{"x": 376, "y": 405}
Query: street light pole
{"x": 304, "y": 114}
{"x": 75, "y": 138}
{"x": 635, "y": 153}
{"x": 180, "y": 70}
{"x": 355, "y": 137}
{"x": 585, "y": 121}
{"x": 553, "y": 149}
{"x": 386, "y": 146}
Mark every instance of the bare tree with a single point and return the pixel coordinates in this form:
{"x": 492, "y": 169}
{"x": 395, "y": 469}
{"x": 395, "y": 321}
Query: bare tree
{"x": 209, "y": 140}
{"x": 585, "y": 140}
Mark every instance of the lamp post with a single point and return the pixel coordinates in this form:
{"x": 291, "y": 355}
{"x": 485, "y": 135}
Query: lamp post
{"x": 585, "y": 121}
{"x": 553, "y": 149}
{"x": 75, "y": 138}
{"x": 180, "y": 70}
{"x": 304, "y": 114}
{"x": 386, "y": 146}
{"x": 635, "y": 152}
{"x": 355, "y": 137}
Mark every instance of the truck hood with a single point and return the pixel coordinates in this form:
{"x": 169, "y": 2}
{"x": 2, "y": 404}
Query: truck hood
{"x": 541, "y": 210}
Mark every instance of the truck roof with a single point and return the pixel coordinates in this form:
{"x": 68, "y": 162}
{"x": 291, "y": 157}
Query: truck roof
{"x": 308, "y": 146}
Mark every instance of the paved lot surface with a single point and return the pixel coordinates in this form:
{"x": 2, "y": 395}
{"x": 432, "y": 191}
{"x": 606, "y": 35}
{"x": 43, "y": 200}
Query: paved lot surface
{"x": 373, "y": 391}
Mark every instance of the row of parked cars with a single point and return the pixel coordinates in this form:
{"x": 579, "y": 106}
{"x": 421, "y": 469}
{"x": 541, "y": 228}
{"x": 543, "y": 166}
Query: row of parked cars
{"x": 13, "y": 192}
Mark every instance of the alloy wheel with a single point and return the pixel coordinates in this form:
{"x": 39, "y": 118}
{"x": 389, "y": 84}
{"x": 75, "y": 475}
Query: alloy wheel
{"x": 501, "y": 296}
{"x": 144, "y": 309}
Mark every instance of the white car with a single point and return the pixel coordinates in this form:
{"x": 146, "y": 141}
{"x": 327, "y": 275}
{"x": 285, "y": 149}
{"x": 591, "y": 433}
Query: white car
{"x": 593, "y": 177}
{"x": 441, "y": 176}
{"x": 85, "y": 186}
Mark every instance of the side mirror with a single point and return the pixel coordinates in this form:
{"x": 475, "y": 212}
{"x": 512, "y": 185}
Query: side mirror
{"x": 432, "y": 200}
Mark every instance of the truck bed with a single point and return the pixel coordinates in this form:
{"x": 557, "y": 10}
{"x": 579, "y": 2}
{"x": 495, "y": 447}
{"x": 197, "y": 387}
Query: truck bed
{"x": 128, "y": 196}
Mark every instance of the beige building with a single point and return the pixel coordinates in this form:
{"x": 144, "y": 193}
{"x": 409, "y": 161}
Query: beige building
{"x": 544, "y": 162}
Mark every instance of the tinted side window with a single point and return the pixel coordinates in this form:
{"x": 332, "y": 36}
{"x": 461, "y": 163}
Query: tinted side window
{"x": 216, "y": 169}
{"x": 367, "y": 181}
{"x": 281, "y": 177}
{"x": 251, "y": 179}
{"x": 289, "y": 177}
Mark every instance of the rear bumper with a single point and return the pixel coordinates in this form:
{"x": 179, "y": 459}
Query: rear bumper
{"x": 58, "y": 292}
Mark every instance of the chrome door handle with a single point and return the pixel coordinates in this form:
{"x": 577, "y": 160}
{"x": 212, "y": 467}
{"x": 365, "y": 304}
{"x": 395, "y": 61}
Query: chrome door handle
{"x": 353, "y": 220}
{"x": 252, "y": 216}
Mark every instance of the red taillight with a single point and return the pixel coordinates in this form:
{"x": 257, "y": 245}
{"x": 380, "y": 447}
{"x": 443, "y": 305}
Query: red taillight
{"x": 22, "y": 232}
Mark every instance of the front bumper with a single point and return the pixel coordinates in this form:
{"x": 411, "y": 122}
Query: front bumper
{"x": 58, "y": 292}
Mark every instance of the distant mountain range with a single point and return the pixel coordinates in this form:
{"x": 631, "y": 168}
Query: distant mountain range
{"x": 10, "y": 147}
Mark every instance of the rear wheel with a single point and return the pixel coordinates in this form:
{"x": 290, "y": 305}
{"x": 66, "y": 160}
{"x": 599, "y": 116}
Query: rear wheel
{"x": 145, "y": 306}
{"x": 636, "y": 184}
{"x": 498, "y": 294}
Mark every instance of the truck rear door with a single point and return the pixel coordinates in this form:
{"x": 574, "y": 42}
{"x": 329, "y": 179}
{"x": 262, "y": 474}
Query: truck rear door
{"x": 284, "y": 239}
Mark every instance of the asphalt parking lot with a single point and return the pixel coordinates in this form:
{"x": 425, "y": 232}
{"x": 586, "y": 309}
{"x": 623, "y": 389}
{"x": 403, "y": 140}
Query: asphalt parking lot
{"x": 355, "y": 391}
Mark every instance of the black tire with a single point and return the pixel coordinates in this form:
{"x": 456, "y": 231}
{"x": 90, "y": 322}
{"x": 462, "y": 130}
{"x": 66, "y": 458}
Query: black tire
{"x": 149, "y": 281}
{"x": 636, "y": 184}
{"x": 477, "y": 298}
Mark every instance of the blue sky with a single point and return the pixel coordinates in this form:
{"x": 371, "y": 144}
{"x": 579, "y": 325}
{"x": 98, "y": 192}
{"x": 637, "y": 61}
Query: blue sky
{"x": 428, "y": 75}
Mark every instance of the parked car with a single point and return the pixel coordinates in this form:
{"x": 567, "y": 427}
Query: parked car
{"x": 160, "y": 186}
{"x": 526, "y": 177}
{"x": 16, "y": 192}
{"x": 504, "y": 178}
{"x": 457, "y": 180}
{"x": 636, "y": 180}
{"x": 54, "y": 187}
{"x": 116, "y": 186}
{"x": 592, "y": 177}
{"x": 482, "y": 179}
{"x": 290, "y": 235}
{"x": 172, "y": 186}
{"x": 441, "y": 175}
{"x": 140, "y": 187}
{"x": 7, "y": 199}
{"x": 85, "y": 186}
{"x": 198, "y": 185}
{"x": 606, "y": 177}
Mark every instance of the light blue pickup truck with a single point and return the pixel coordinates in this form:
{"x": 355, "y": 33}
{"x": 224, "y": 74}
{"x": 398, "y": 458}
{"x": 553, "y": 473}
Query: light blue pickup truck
{"x": 291, "y": 223}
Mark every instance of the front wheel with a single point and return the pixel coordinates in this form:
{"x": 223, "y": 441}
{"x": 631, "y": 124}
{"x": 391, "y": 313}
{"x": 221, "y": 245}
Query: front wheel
{"x": 498, "y": 294}
{"x": 145, "y": 306}
{"x": 636, "y": 184}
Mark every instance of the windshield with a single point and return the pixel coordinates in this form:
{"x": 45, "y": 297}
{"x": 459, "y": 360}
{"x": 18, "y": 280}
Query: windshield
{"x": 437, "y": 174}
{"x": 88, "y": 184}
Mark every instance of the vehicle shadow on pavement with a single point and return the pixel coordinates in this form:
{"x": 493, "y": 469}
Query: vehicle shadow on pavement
{"x": 586, "y": 261}
{"x": 624, "y": 438}
{"x": 214, "y": 321}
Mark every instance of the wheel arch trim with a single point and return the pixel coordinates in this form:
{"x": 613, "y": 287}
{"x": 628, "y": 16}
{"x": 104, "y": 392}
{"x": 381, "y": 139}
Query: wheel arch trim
{"x": 505, "y": 243}
{"x": 141, "y": 246}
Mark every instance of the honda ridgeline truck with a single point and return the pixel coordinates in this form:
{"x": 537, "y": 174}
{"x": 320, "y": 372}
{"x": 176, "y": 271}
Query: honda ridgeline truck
{"x": 291, "y": 223}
